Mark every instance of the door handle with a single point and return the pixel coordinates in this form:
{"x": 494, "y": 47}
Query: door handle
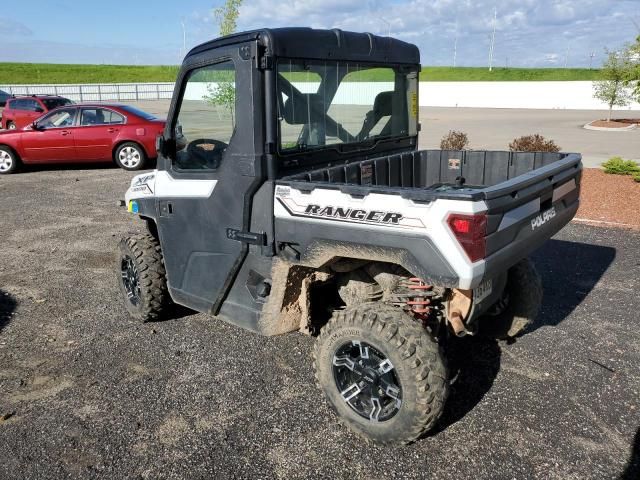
{"x": 112, "y": 130}
{"x": 65, "y": 133}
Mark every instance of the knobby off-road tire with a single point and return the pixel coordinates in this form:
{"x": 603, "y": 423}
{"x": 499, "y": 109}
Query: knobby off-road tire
{"x": 142, "y": 277}
{"x": 524, "y": 298}
{"x": 413, "y": 362}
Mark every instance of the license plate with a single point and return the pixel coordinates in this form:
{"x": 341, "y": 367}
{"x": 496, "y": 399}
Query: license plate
{"x": 482, "y": 291}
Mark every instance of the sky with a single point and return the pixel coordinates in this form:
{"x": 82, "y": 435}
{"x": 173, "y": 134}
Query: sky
{"x": 529, "y": 33}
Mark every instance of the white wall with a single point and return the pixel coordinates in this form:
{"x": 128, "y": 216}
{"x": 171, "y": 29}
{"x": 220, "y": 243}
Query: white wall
{"x": 563, "y": 95}
{"x": 544, "y": 95}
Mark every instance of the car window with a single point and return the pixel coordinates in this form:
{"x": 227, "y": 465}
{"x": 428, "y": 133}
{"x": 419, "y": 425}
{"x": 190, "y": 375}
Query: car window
{"x": 33, "y": 106}
{"x": 58, "y": 119}
{"x": 18, "y": 105}
{"x": 100, "y": 116}
{"x": 52, "y": 103}
{"x": 206, "y": 118}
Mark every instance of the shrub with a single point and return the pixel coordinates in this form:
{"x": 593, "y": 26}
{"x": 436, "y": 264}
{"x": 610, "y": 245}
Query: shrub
{"x": 454, "y": 140}
{"x": 618, "y": 166}
{"x": 636, "y": 177}
{"x": 533, "y": 143}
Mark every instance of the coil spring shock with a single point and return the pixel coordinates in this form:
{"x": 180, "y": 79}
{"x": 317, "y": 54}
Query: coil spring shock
{"x": 417, "y": 297}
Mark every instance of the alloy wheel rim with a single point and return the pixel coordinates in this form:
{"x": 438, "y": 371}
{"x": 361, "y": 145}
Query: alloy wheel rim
{"x": 130, "y": 157}
{"x": 5, "y": 161}
{"x": 367, "y": 381}
{"x": 130, "y": 280}
{"x": 12, "y": 126}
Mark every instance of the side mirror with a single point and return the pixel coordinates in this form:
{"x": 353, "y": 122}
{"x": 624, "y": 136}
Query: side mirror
{"x": 35, "y": 126}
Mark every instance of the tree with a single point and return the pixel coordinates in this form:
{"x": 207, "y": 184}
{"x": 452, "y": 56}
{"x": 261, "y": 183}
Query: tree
{"x": 224, "y": 92}
{"x": 227, "y": 16}
{"x": 633, "y": 74}
{"x": 613, "y": 88}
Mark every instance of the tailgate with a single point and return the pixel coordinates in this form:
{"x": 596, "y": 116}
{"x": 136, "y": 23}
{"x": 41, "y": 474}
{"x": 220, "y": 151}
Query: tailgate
{"x": 528, "y": 210}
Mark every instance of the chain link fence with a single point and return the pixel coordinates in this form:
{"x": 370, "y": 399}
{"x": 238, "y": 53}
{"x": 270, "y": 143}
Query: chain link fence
{"x": 119, "y": 92}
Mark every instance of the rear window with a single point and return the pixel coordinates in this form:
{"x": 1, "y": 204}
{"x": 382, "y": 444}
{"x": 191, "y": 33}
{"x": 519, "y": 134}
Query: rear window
{"x": 137, "y": 112}
{"x": 52, "y": 103}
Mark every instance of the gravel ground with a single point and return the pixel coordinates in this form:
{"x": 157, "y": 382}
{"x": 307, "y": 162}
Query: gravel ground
{"x": 86, "y": 392}
{"x": 609, "y": 198}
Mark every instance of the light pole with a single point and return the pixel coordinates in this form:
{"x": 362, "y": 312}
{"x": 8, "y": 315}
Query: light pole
{"x": 455, "y": 46}
{"x": 388, "y": 26}
{"x": 493, "y": 38}
{"x": 184, "y": 37}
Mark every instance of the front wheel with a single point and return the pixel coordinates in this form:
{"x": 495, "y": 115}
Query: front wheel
{"x": 130, "y": 156}
{"x": 382, "y": 373}
{"x": 142, "y": 277}
{"x": 9, "y": 162}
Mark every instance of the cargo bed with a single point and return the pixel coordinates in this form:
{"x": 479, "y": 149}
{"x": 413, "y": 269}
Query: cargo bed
{"x": 425, "y": 174}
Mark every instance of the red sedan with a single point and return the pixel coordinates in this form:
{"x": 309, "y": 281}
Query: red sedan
{"x": 83, "y": 133}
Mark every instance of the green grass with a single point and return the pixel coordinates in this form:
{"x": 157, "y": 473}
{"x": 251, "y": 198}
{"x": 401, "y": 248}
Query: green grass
{"x": 473, "y": 74}
{"x": 43, "y": 73}
{"x": 40, "y": 73}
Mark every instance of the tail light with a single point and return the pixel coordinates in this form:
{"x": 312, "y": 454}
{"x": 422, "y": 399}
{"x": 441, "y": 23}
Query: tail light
{"x": 470, "y": 231}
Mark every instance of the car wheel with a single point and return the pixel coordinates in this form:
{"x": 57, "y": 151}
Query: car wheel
{"x": 9, "y": 161}
{"x": 381, "y": 372}
{"x": 11, "y": 126}
{"x": 142, "y": 277}
{"x": 130, "y": 156}
{"x": 519, "y": 306}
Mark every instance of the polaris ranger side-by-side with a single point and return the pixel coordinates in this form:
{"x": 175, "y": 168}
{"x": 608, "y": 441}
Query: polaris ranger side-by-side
{"x": 290, "y": 195}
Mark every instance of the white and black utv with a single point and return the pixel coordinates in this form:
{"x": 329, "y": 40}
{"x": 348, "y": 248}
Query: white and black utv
{"x": 290, "y": 196}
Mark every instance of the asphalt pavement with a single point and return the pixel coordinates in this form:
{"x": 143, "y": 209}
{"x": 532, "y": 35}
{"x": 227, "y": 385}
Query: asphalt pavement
{"x": 87, "y": 392}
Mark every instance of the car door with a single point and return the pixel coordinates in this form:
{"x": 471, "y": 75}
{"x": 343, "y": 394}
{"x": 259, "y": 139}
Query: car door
{"x": 204, "y": 191}
{"x": 52, "y": 140}
{"x": 97, "y": 130}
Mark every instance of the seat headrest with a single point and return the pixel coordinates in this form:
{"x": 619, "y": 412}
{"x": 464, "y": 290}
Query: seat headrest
{"x": 383, "y": 104}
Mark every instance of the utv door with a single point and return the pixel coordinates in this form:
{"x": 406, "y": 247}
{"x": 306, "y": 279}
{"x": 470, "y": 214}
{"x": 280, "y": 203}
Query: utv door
{"x": 204, "y": 193}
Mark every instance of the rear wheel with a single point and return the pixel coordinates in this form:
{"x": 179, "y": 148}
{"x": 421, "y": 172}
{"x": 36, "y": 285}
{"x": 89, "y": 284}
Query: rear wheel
{"x": 142, "y": 277}
{"x": 382, "y": 373}
{"x": 130, "y": 156}
{"x": 9, "y": 161}
{"x": 11, "y": 126}
{"x": 519, "y": 305}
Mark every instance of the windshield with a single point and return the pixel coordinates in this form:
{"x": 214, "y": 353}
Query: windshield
{"x": 52, "y": 103}
{"x": 137, "y": 112}
{"x": 332, "y": 103}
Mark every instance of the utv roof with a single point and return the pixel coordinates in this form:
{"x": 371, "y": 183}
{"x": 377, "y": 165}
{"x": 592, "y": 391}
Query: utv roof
{"x": 302, "y": 42}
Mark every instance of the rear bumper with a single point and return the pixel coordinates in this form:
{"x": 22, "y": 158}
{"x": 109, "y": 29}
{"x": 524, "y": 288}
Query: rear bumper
{"x": 529, "y": 239}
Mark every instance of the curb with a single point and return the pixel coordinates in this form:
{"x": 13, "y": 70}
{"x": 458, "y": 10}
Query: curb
{"x": 588, "y": 126}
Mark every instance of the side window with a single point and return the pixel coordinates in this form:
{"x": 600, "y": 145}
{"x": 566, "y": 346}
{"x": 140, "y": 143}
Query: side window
{"x": 18, "y": 105}
{"x": 33, "y": 106}
{"x": 113, "y": 118}
{"x": 89, "y": 117}
{"x": 99, "y": 116}
{"x": 58, "y": 119}
{"x": 206, "y": 118}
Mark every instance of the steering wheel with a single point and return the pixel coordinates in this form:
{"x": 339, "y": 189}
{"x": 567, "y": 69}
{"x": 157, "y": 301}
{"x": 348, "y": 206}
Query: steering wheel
{"x": 206, "y": 153}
